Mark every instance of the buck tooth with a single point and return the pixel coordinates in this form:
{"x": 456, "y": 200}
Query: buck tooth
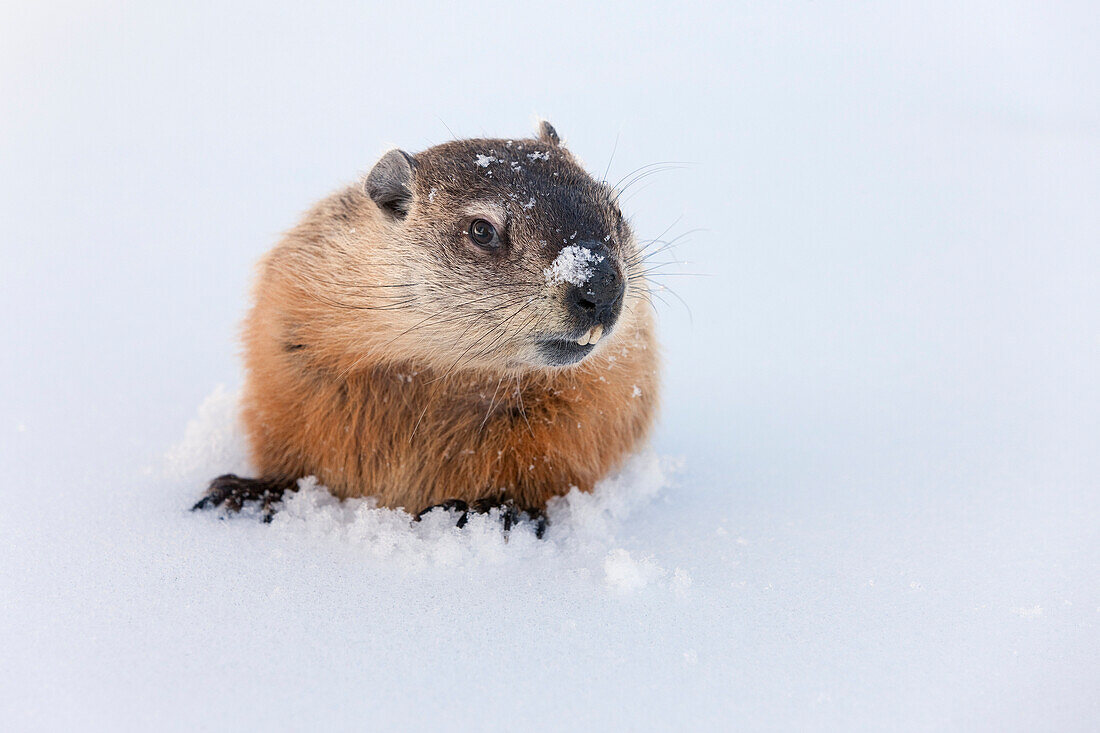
{"x": 595, "y": 334}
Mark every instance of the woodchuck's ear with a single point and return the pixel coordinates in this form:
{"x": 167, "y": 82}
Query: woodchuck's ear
{"x": 389, "y": 183}
{"x": 548, "y": 134}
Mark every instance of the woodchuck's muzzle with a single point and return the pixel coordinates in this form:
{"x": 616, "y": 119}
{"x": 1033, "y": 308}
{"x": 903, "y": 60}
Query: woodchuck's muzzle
{"x": 599, "y": 299}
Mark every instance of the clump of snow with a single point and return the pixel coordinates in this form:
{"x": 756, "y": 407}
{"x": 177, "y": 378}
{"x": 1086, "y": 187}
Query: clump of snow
{"x": 627, "y": 573}
{"x": 213, "y": 440}
{"x": 681, "y": 579}
{"x": 539, "y": 155}
{"x": 581, "y": 531}
{"x": 483, "y": 161}
{"x": 574, "y": 264}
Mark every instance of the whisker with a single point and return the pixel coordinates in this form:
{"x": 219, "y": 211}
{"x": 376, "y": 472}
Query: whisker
{"x": 674, "y": 274}
{"x": 674, "y": 294}
{"x": 668, "y": 229}
{"x": 646, "y": 253}
{"x": 471, "y": 316}
{"x": 489, "y": 411}
{"x": 481, "y": 338}
{"x": 519, "y": 394}
{"x": 642, "y": 176}
{"x": 613, "y": 149}
{"x": 503, "y": 332}
{"x": 647, "y": 167}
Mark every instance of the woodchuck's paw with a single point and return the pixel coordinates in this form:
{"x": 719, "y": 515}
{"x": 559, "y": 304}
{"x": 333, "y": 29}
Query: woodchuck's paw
{"x": 233, "y": 491}
{"x": 510, "y": 514}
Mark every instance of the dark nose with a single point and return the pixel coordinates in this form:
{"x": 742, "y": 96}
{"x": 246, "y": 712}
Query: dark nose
{"x": 600, "y": 297}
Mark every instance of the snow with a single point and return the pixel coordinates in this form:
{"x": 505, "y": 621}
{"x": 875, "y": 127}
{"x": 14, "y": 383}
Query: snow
{"x": 872, "y": 498}
{"x": 572, "y": 265}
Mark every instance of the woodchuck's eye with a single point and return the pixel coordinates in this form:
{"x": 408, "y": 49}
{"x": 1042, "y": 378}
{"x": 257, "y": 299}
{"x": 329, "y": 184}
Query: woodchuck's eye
{"x": 484, "y": 234}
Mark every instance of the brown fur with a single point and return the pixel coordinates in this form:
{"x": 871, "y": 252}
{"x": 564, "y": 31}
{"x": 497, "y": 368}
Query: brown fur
{"x": 389, "y": 359}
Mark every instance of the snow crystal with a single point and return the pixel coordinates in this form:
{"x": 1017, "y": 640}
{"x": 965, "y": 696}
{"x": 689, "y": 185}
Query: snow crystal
{"x": 572, "y": 265}
{"x": 539, "y": 156}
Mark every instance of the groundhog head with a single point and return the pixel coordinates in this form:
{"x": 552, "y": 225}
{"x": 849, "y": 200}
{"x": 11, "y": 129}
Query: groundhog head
{"x": 511, "y": 253}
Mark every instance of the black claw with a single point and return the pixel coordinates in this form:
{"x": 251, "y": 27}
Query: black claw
{"x": 449, "y": 504}
{"x": 232, "y": 491}
{"x": 510, "y": 514}
{"x": 540, "y": 525}
{"x": 268, "y": 507}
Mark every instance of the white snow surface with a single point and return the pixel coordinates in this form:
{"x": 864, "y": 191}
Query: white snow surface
{"x": 872, "y": 501}
{"x": 573, "y": 264}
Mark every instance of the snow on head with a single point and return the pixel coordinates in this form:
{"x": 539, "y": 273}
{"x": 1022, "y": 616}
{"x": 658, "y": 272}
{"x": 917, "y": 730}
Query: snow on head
{"x": 574, "y": 264}
{"x": 581, "y": 533}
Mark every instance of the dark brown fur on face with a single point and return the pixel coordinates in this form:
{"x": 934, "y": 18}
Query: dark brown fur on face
{"x": 390, "y": 355}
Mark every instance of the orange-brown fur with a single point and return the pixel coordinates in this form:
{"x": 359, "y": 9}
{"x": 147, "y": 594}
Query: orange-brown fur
{"x": 348, "y": 381}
